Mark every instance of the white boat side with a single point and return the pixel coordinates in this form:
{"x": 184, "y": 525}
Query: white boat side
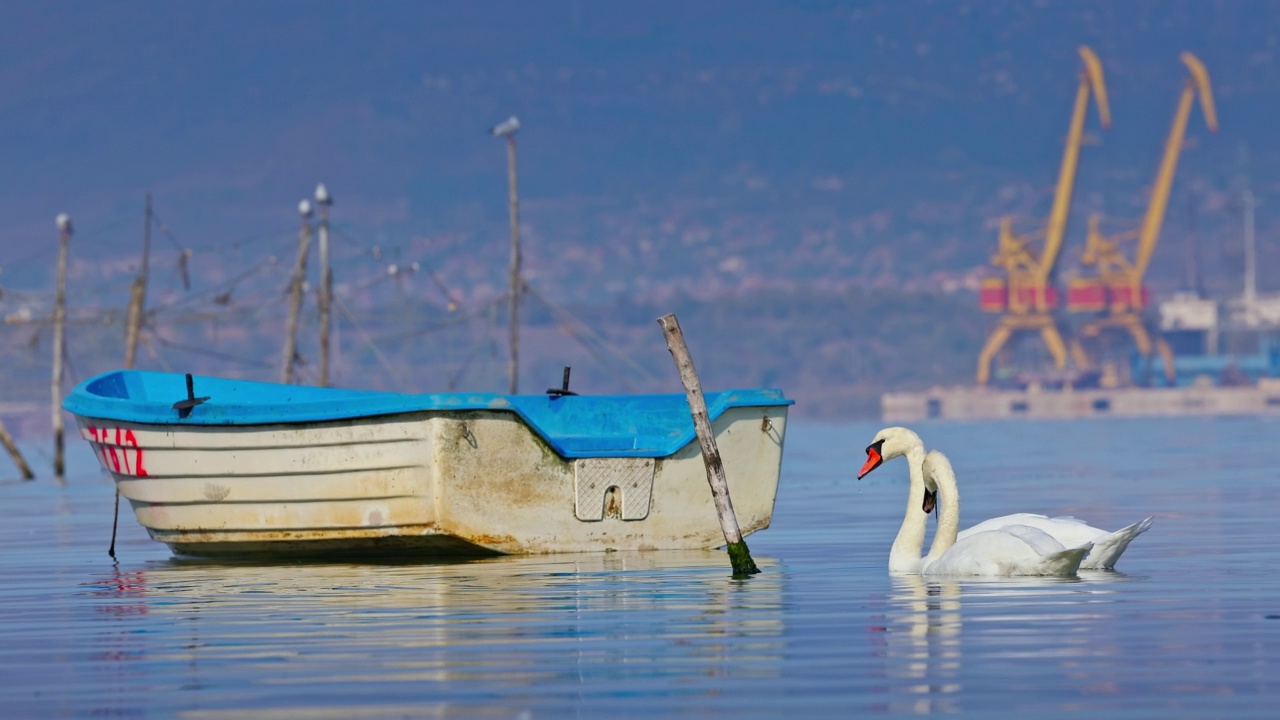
{"x": 432, "y": 482}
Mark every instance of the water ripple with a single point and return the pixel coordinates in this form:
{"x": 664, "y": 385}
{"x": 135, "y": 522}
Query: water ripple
{"x": 1187, "y": 629}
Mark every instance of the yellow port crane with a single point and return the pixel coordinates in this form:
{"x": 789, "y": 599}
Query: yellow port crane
{"x": 1117, "y": 290}
{"x": 1024, "y": 296}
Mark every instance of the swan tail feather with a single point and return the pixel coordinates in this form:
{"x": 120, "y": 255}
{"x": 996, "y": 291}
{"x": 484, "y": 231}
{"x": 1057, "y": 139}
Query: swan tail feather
{"x": 1108, "y": 548}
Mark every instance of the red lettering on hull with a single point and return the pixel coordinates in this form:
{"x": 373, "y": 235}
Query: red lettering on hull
{"x": 117, "y": 449}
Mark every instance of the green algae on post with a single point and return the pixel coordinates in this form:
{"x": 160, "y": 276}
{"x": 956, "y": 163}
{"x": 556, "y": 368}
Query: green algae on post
{"x": 740, "y": 560}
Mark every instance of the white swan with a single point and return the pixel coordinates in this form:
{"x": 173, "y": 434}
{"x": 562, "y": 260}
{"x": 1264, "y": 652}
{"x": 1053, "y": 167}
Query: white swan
{"x": 899, "y": 441}
{"x": 1005, "y": 551}
{"x": 904, "y": 556}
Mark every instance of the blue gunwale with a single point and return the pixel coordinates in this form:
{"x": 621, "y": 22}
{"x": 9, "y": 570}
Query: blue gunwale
{"x": 574, "y": 426}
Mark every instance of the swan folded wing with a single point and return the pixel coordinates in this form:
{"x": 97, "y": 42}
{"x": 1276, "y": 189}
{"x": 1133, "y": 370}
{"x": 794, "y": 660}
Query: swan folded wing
{"x": 1070, "y": 531}
{"x": 1009, "y": 551}
{"x": 996, "y": 523}
{"x": 1039, "y": 540}
{"x": 1054, "y": 557}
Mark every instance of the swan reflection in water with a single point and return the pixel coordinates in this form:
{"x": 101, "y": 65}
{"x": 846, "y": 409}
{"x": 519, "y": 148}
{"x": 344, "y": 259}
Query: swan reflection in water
{"x": 929, "y": 622}
{"x": 922, "y": 635}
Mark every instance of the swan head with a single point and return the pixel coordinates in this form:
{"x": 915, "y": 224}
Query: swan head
{"x": 936, "y": 465}
{"x": 888, "y": 444}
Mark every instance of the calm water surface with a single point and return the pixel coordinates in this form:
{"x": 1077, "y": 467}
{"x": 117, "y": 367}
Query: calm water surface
{"x": 1189, "y": 627}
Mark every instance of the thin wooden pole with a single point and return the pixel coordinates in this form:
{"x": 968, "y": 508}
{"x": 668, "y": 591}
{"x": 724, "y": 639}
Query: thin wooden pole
{"x": 295, "y": 293}
{"x": 133, "y": 323}
{"x": 59, "y": 338}
{"x": 513, "y": 306}
{"x": 325, "y": 299}
{"x": 138, "y": 296}
{"x": 739, "y": 555}
{"x": 12, "y": 448}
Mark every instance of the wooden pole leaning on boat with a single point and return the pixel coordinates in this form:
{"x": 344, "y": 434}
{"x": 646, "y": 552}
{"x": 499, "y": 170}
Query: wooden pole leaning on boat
{"x": 739, "y": 555}
{"x": 59, "y": 337}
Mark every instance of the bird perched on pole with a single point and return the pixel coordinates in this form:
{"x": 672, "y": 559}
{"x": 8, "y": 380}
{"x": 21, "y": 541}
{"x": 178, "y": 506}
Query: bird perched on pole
{"x": 507, "y": 127}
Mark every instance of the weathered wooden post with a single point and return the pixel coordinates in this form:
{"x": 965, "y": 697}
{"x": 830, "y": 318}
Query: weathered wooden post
{"x": 739, "y": 555}
{"x": 59, "y": 337}
{"x": 507, "y": 129}
{"x": 12, "y": 448}
{"x": 295, "y": 292}
{"x": 324, "y": 200}
{"x": 138, "y": 295}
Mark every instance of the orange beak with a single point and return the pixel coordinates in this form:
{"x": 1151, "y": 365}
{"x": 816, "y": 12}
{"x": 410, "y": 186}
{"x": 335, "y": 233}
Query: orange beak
{"x": 873, "y": 461}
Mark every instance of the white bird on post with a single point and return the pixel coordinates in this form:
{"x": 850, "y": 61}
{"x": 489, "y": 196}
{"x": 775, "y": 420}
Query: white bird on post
{"x": 506, "y": 127}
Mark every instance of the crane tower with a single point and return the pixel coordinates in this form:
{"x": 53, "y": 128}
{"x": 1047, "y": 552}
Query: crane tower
{"x": 1023, "y": 295}
{"x": 1117, "y": 293}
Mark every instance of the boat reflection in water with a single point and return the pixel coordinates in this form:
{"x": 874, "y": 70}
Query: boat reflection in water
{"x": 355, "y": 635}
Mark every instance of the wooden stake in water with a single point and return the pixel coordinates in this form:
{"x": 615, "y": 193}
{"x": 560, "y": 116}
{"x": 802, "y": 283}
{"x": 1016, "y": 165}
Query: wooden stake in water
{"x": 507, "y": 129}
{"x": 739, "y": 555}
{"x": 295, "y": 292}
{"x": 133, "y": 322}
{"x": 12, "y": 448}
{"x": 513, "y": 301}
{"x": 59, "y": 337}
{"x": 324, "y": 200}
{"x": 138, "y": 296}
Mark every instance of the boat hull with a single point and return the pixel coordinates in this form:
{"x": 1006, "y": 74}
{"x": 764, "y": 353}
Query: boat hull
{"x": 433, "y": 483}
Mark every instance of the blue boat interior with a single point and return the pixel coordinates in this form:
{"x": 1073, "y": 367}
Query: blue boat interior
{"x": 574, "y": 425}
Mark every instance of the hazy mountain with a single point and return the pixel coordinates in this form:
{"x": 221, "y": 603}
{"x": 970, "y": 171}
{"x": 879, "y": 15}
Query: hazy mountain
{"x": 668, "y": 151}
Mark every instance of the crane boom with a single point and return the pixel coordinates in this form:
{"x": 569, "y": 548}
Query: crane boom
{"x": 1197, "y": 84}
{"x": 1090, "y": 79}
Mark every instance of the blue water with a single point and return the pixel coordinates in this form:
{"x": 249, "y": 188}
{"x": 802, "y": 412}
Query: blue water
{"x": 1189, "y": 626}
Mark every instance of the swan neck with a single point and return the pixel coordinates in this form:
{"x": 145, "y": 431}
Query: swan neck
{"x": 948, "y": 512}
{"x": 904, "y": 556}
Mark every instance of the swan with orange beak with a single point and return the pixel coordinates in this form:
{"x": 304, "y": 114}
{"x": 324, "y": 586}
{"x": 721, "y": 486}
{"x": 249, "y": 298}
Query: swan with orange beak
{"x": 890, "y": 443}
